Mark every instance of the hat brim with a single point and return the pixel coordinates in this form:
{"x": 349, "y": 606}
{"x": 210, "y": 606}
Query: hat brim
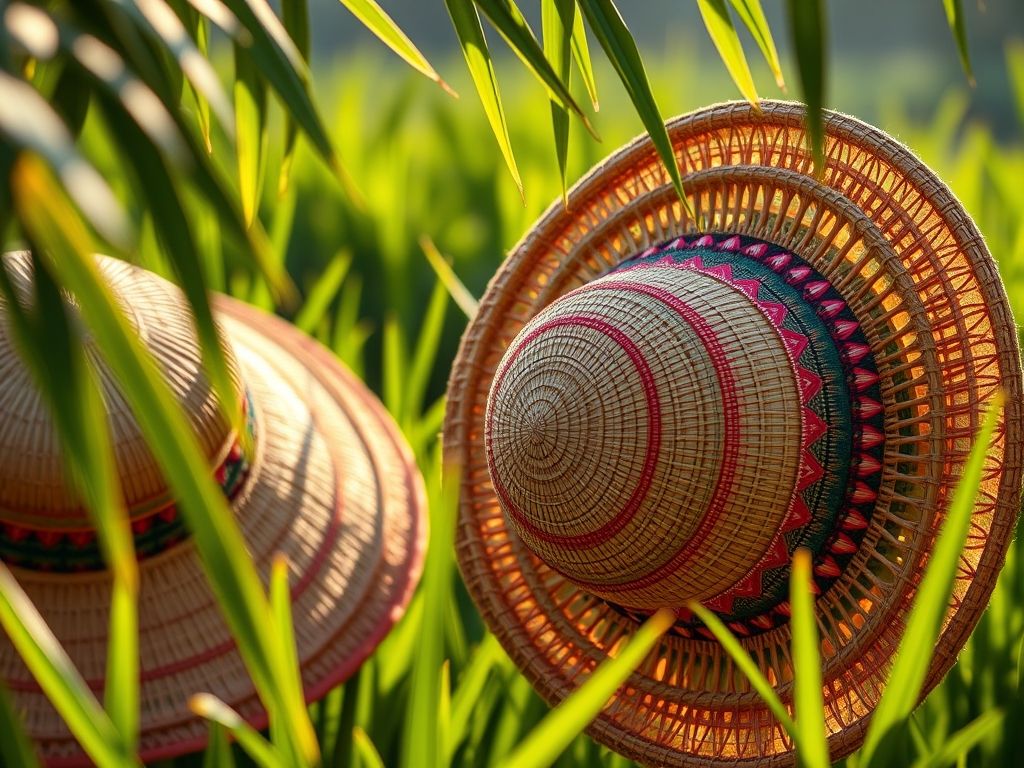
{"x": 333, "y": 486}
{"x": 945, "y": 342}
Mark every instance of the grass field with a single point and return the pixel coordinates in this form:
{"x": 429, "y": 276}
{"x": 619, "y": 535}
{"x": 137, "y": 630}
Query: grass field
{"x": 440, "y": 690}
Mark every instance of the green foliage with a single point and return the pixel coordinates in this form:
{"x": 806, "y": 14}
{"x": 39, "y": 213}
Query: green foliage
{"x": 187, "y": 195}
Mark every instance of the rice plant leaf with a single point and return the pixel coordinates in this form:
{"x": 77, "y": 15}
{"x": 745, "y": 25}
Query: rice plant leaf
{"x": 424, "y": 360}
{"x": 218, "y": 752}
{"x": 463, "y": 299}
{"x": 299, "y": 737}
{"x": 554, "y": 733}
{"x": 558, "y": 18}
{"x": 481, "y": 68}
{"x": 808, "y": 700}
{"x": 71, "y": 98}
{"x": 152, "y": 182}
{"x": 383, "y": 26}
{"x": 420, "y": 727}
{"x": 508, "y": 20}
{"x": 747, "y": 666}
{"x": 469, "y": 690}
{"x": 620, "y": 48}
{"x": 957, "y": 25}
{"x": 264, "y": 754}
{"x": 221, "y": 16}
{"x": 807, "y": 28}
{"x": 932, "y": 600}
{"x": 295, "y": 17}
{"x": 723, "y": 35}
{"x": 366, "y": 749}
{"x": 54, "y": 356}
{"x": 444, "y": 713}
{"x": 324, "y": 291}
{"x": 281, "y": 64}
{"x": 157, "y": 18}
{"x": 199, "y": 27}
{"x": 250, "y": 132}
{"x": 581, "y": 55}
{"x": 752, "y": 15}
{"x": 29, "y": 123}
{"x": 58, "y": 678}
{"x": 955, "y": 747}
{"x": 394, "y": 366}
{"x": 52, "y": 223}
{"x": 15, "y": 747}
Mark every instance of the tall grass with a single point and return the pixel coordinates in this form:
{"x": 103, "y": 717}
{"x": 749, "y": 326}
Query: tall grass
{"x": 439, "y": 690}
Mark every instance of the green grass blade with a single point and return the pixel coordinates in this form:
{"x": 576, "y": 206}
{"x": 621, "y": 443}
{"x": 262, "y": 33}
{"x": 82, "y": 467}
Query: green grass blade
{"x": 581, "y": 55}
{"x": 366, "y": 749}
{"x": 151, "y": 179}
{"x": 200, "y": 30}
{"x": 54, "y": 354}
{"x": 620, "y": 48}
{"x": 250, "y": 132}
{"x": 955, "y": 747}
{"x": 324, "y": 291}
{"x": 444, "y": 713}
{"x": 71, "y": 98}
{"x": 508, "y": 20}
{"x": 263, "y": 753}
{"x": 957, "y": 25}
{"x": 807, "y": 28}
{"x": 481, "y": 68}
{"x": 394, "y": 366}
{"x": 908, "y": 672}
{"x": 557, "y": 21}
{"x": 28, "y": 122}
{"x": 161, "y": 22}
{"x": 809, "y": 704}
{"x": 282, "y": 66}
{"x": 58, "y": 677}
{"x": 219, "y": 14}
{"x": 723, "y": 35}
{"x": 746, "y": 665}
{"x": 15, "y": 746}
{"x": 555, "y": 732}
{"x": 469, "y": 690}
{"x": 463, "y": 299}
{"x": 215, "y": 534}
{"x": 383, "y": 26}
{"x": 421, "y": 721}
{"x": 1015, "y": 71}
{"x": 424, "y": 359}
{"x": 303, "y": 737}
{"x": 295, "y": 17}
{"x": 752, "y": 15}
{"x": 218, "y": 752}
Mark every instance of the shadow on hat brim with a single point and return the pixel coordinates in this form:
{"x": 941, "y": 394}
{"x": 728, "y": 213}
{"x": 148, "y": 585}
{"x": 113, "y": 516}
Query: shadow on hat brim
{"x": 333, "y": 485}
{"x": 946, "y": 321}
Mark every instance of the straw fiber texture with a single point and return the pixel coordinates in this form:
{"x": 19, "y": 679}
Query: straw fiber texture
{"x": 651, "y": 407}
{"x": 331, "y": 484}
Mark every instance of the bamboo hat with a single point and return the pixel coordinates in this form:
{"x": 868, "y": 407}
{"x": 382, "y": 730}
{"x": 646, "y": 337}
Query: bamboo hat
{"x": 326, "y": 479}
{"x": 651, "y": 408}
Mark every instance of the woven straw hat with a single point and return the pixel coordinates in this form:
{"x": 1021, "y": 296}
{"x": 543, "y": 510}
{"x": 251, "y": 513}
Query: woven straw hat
{"x": 651, "y": 408}
{"x": 328, "y": 481}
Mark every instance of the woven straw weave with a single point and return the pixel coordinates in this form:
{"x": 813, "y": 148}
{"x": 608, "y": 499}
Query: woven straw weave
{"x": 331, "y": 484}
{"x": 890, "y": 240}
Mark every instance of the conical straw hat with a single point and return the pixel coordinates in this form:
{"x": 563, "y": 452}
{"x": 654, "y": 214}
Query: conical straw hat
{"x": 653, "y": 407}
{"x": 329, "y": 482}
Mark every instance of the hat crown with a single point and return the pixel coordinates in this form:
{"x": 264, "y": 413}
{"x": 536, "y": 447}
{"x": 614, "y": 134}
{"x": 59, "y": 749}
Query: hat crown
{"x": 644, "y": 435}
{"x": 36, "y": 492}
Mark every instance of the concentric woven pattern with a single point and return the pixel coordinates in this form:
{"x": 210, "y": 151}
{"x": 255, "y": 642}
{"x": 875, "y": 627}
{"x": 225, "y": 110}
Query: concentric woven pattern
{"x": 911, "y": 268}
{"x": 332, "y": 485}
{"x": 611, "y": 411}
{"x": 34, "y": 492}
